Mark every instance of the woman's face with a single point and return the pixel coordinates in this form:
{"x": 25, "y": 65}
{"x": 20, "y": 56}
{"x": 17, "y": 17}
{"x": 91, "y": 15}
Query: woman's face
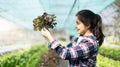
{"x": 81, "y": 28}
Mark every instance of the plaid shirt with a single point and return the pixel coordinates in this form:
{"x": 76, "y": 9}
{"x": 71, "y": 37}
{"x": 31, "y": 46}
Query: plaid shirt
{"x": 81, "y": 52}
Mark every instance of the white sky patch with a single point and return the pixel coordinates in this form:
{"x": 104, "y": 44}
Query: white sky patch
{"x": 6, "y": 25}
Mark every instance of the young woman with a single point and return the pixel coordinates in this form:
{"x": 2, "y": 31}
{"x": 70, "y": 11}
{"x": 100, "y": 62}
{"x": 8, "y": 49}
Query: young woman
{"x": 81, "y": 52}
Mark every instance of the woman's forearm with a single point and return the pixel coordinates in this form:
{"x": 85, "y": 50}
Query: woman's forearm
{"x": 51, "y": 39}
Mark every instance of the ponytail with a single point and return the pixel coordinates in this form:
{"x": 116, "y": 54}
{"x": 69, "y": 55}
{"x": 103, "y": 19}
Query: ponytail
{"x": 96, "y": 29}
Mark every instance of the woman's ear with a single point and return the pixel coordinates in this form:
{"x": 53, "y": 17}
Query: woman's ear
{"x": 88, "y": 26}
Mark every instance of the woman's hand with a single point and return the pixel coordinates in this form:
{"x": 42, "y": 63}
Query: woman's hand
{"x": 45, "y": 33}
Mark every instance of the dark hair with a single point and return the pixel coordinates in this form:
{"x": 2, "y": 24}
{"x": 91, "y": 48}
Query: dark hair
{"x": 94, "y": 20}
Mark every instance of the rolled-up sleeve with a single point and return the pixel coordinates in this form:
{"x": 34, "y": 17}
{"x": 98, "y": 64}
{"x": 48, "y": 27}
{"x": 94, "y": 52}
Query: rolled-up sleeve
{"x": 74, "y": 52}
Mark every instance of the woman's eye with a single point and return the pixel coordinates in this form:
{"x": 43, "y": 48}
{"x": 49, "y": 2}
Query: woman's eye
{"x": 77, "y": 23}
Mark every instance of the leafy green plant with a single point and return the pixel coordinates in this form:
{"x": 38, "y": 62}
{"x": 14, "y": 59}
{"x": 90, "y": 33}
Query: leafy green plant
{"x": 113, "y": 53}
{"x": 117, "y": 43}
{"x": 26, "y": 58}
{"x": 106, "y": 62}
{"x": 46, "y": 20}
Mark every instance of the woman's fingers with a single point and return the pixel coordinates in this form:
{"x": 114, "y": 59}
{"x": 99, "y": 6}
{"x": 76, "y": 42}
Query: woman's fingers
{"x": 46, "y": 34}
{"x": 44, "y": 29}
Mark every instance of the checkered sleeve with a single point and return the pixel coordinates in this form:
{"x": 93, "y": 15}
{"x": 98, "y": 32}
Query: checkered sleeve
{"x": 74, "y": 52}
